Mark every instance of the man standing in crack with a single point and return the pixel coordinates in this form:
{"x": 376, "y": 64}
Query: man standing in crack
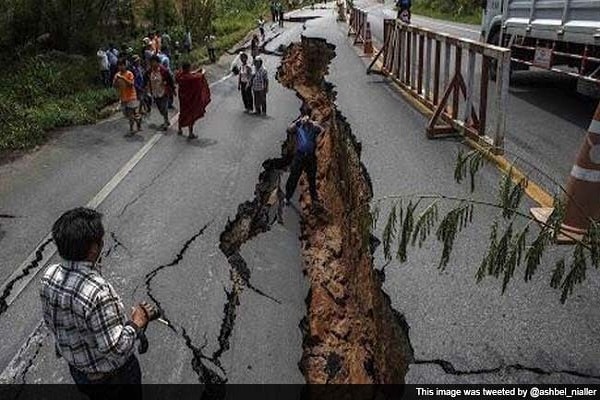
{"x": 305, "y": 132}
{"x": 85, "y": 314}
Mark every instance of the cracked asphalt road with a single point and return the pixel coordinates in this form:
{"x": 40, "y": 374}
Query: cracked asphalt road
{"x": 451, "y": 317}
{"x": 176, "y": 189}
{"x": 461, "y": 332}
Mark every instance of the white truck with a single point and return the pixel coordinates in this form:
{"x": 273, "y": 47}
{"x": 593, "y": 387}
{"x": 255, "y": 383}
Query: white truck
{"x": 557, "y": 35}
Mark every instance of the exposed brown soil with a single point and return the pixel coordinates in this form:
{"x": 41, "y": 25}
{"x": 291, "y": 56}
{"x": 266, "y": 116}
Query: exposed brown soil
{"x": 352, "y": 335}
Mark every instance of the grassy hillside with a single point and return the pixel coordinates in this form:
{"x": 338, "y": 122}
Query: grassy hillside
{"x": 45, "y": 92}
{"x": 465, "y": 11}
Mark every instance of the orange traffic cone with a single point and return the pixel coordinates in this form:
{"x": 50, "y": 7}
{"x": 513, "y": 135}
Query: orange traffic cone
{"x": 368, "y": 40}
{"x": 583, "y": 189}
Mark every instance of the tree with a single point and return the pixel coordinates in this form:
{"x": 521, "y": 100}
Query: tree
{"x": 66, "y": 25}
{"x": 198, "y": 16}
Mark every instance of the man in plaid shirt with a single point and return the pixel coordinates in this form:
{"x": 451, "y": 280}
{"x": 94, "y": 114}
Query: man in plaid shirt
{"x": 260, "y": 87}
{"x": 82, "y": 309}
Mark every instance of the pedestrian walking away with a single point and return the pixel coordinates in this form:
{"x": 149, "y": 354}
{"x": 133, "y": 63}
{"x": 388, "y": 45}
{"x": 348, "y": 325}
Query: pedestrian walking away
{"x": 148, "y": 51}
{"x": 187, "y": 41}
{"x": 113, "y": 58}
{"x": 274, "y": 14}
{"x": 157, "y": 42}
{"x": 260, "y": 87}
{"x": 127, "y": 54}
{"x": 176, "y": 56}
{"x": 280, "y": 13}
{"x": 254, "y": 46}
{"x": 166, "y": 44}
{"x": 140, "y": 85}
{"x": 161, "y": 84}
{"x": 194, "y": 97}
{"x": 261, "y": 27}
{"x": 104, "y": 67}
{"x": 165, "y": 61}
{"x": 211, "y": 46}
{"x": 245, "y": 83}
{"x": 86, "y": 316}
{"x": 304, "y": 132}
{"x": 124, "y": 82}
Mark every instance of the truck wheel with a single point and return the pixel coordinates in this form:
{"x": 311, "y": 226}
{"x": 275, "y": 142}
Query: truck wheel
{"x": 588, "y": 89}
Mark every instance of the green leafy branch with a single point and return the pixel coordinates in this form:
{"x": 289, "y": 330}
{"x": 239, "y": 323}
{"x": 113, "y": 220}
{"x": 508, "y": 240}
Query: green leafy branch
{"x": 510, "y": 246}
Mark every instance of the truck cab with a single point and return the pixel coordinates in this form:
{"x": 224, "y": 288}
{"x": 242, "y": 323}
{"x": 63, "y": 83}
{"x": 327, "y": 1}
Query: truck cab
{"x": 491, "y": 24}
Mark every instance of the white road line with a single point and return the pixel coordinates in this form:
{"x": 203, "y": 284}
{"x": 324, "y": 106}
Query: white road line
{"x": 50, "y": 250}
{"x": 123, "y": 172}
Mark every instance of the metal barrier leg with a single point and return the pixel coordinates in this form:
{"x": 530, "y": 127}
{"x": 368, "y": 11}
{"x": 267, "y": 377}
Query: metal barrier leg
{"x": 483, "y": 94}
{"x": 432, "y": 129}
{"x": 502, "y": 83}
{"x": 436, "y": 73}
{"x": 426, "y": 78}
{"x": 468, "y": 111}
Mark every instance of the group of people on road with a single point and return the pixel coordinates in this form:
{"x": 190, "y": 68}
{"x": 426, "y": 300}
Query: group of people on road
{"x": 92, "y": 331}
{"x": 154, "y": 77}
{"x": 253, "y": 84}
{"x": 108, "y": 58}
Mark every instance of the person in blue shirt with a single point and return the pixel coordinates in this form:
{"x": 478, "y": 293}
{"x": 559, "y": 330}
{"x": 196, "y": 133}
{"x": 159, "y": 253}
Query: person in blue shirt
{"x": 139, "y": 82}
{"x": 113, "y": 58}
{"x": 165, "y": 61}
{"x": 305, "y": 132}
{"x": 403, "y": 7}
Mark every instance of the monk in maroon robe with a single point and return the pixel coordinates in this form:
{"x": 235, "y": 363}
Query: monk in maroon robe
{"x": 194, "y": 96}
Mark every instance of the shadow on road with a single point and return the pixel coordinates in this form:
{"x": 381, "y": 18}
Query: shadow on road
{"x": 542, "y": 89}
{"x": 202, "y": 143}
{"x": 134, "y": 138}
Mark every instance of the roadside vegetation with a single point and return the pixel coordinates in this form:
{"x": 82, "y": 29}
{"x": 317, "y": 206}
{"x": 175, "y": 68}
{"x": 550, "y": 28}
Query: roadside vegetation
{"x": 465, "y": 11}
{"x": 230, "y": 27}
{"x": 50, "y": 78}
{"x": 47, "y": 91}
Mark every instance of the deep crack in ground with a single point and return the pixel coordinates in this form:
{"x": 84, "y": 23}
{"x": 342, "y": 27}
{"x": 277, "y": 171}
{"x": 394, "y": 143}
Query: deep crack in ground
{"x": 8, "y": 216}
{"x": 116, "y": 245}
{"x": 262, "y": 46}
{"x": 449, "y": 368}
{"x": 38, "y": 347}
{"x": 351, "y": 332}
{"x": 253, "y": 218}
{"x": 208, "y": 371}
{"x": 35, "y": 263}
{"x": 18, "y": 368}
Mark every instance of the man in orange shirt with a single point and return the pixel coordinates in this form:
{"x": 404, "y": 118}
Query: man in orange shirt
{"x": 124, "y": 82}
